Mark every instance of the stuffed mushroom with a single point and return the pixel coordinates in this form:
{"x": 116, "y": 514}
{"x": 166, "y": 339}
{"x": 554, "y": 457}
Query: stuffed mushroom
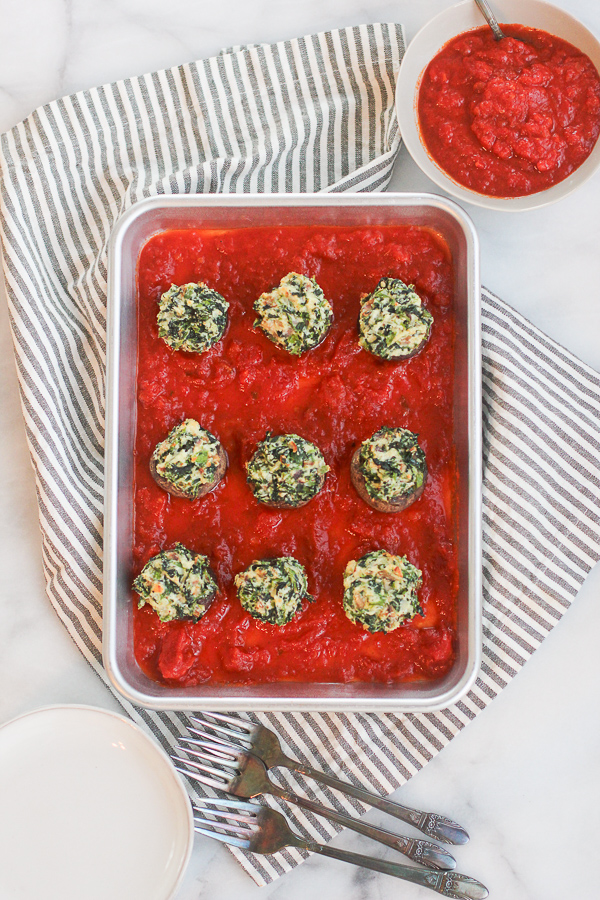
{"x": 286, "y": 471}
{"x": 273, "y": 590}
{"x": 190, "y": 461}
{"x": 380, "y": 591}
{"x": 296, "y": 316}
{"x": 389, "y": 469}
{"x": 192, "y": 317}
{"x": 177, "y": 584}
{"x": 393, "y": 323}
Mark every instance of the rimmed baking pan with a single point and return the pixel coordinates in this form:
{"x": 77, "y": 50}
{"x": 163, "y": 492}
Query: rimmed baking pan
{"x": 232, "y": 212}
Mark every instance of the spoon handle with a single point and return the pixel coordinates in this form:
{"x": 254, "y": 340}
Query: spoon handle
{"x": 490, "y": 18}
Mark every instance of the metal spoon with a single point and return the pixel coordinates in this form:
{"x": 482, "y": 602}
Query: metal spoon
{"x": 490, "y": 18}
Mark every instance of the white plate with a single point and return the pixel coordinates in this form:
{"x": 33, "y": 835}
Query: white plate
{"x": 90, "y": 809}
{"x": 430, "y": 40}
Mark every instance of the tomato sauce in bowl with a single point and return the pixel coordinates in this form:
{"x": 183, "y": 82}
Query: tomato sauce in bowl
{"x": 509, "y": 118}
{"x": 335, "y": 396}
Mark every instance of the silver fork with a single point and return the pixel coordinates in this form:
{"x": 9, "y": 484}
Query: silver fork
{"x": 264, "y": 743}
{"x": 249, "y": 779}
{"x": 264, "y": 830}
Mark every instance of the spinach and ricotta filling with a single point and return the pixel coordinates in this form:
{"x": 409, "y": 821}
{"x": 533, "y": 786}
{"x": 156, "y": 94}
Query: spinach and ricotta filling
{"x": 296, "y": 315}
{"x": 177, "y": 584}
{"x": 192, "y": 317}
{"x": 392, "y": 464}
{"x": 380, "y": 591}
{"x": 286, "y": 470}
{"x": 190, "y": 459}
{"x": 272, "y": 590}
{"x": 393, "y": 322}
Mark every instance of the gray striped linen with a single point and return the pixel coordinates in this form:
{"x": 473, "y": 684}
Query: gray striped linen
{"x": 311, "y": 114}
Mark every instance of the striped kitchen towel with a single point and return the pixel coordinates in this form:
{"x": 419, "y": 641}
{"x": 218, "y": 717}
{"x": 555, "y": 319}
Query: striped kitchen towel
{"x": 311, "y": 114}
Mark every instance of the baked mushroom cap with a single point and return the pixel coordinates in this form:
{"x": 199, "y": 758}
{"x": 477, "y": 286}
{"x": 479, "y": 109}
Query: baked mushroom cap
{"x": 192, "y": 317}
{"x": 177, "y": 584}
{"x": 190, "y": 461}
{"x": 380, "y": 591}
{"x": 389, "y": 469}
{"x": 273, "y": 590}
{"x": 393, "y": 323}
{"x": 286, "y": 471}
{"x": 295, "y": 316}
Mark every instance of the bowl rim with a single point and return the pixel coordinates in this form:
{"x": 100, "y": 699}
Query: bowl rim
{"x": 460, "y": 18}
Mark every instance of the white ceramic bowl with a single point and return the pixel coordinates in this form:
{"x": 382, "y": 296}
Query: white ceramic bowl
{"x": 90, "y": 808}
{"x": 430, "y": 40}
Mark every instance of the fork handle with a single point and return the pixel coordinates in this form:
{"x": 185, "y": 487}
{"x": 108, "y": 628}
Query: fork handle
{"x": 431, "y": 824}
{"x": 449, "y": 884}
{"x": 420, "y": 851}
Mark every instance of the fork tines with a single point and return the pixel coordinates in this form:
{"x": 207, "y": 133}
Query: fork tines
{"x": 241, "y": 724}
{"x": 228, "y": 834}
{"x": 241, "y": 732}
{"x": 219, "y": 779}
{"x": 217, "y": 746}
{"x": 229, "y": 803}
{"x": 215, "y": 753}
{"x": 237, "y": 826}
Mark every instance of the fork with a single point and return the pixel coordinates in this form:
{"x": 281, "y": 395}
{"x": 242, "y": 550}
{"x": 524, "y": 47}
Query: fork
{"x": 264, "y": 743}
{"x": 250, "y": 779}
{"x": 264, "y": 830}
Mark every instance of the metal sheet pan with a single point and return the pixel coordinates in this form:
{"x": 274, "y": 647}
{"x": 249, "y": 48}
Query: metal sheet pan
{"x": 240, "y": 211}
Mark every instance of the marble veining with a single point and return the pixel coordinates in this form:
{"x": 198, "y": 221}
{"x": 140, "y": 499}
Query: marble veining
{"x": 524, "y": 777}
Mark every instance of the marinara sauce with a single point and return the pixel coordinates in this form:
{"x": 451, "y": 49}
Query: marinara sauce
{"x": 336, "y": 396}
{"x": 511, "y": 117}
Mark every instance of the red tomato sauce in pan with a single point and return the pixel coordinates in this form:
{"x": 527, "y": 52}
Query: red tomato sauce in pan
{"x": 511, "y": 117}
{"x": 335, "y": 396}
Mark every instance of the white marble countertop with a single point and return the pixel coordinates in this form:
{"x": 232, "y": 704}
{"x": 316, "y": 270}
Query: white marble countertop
{"x": 524, "y": 777}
